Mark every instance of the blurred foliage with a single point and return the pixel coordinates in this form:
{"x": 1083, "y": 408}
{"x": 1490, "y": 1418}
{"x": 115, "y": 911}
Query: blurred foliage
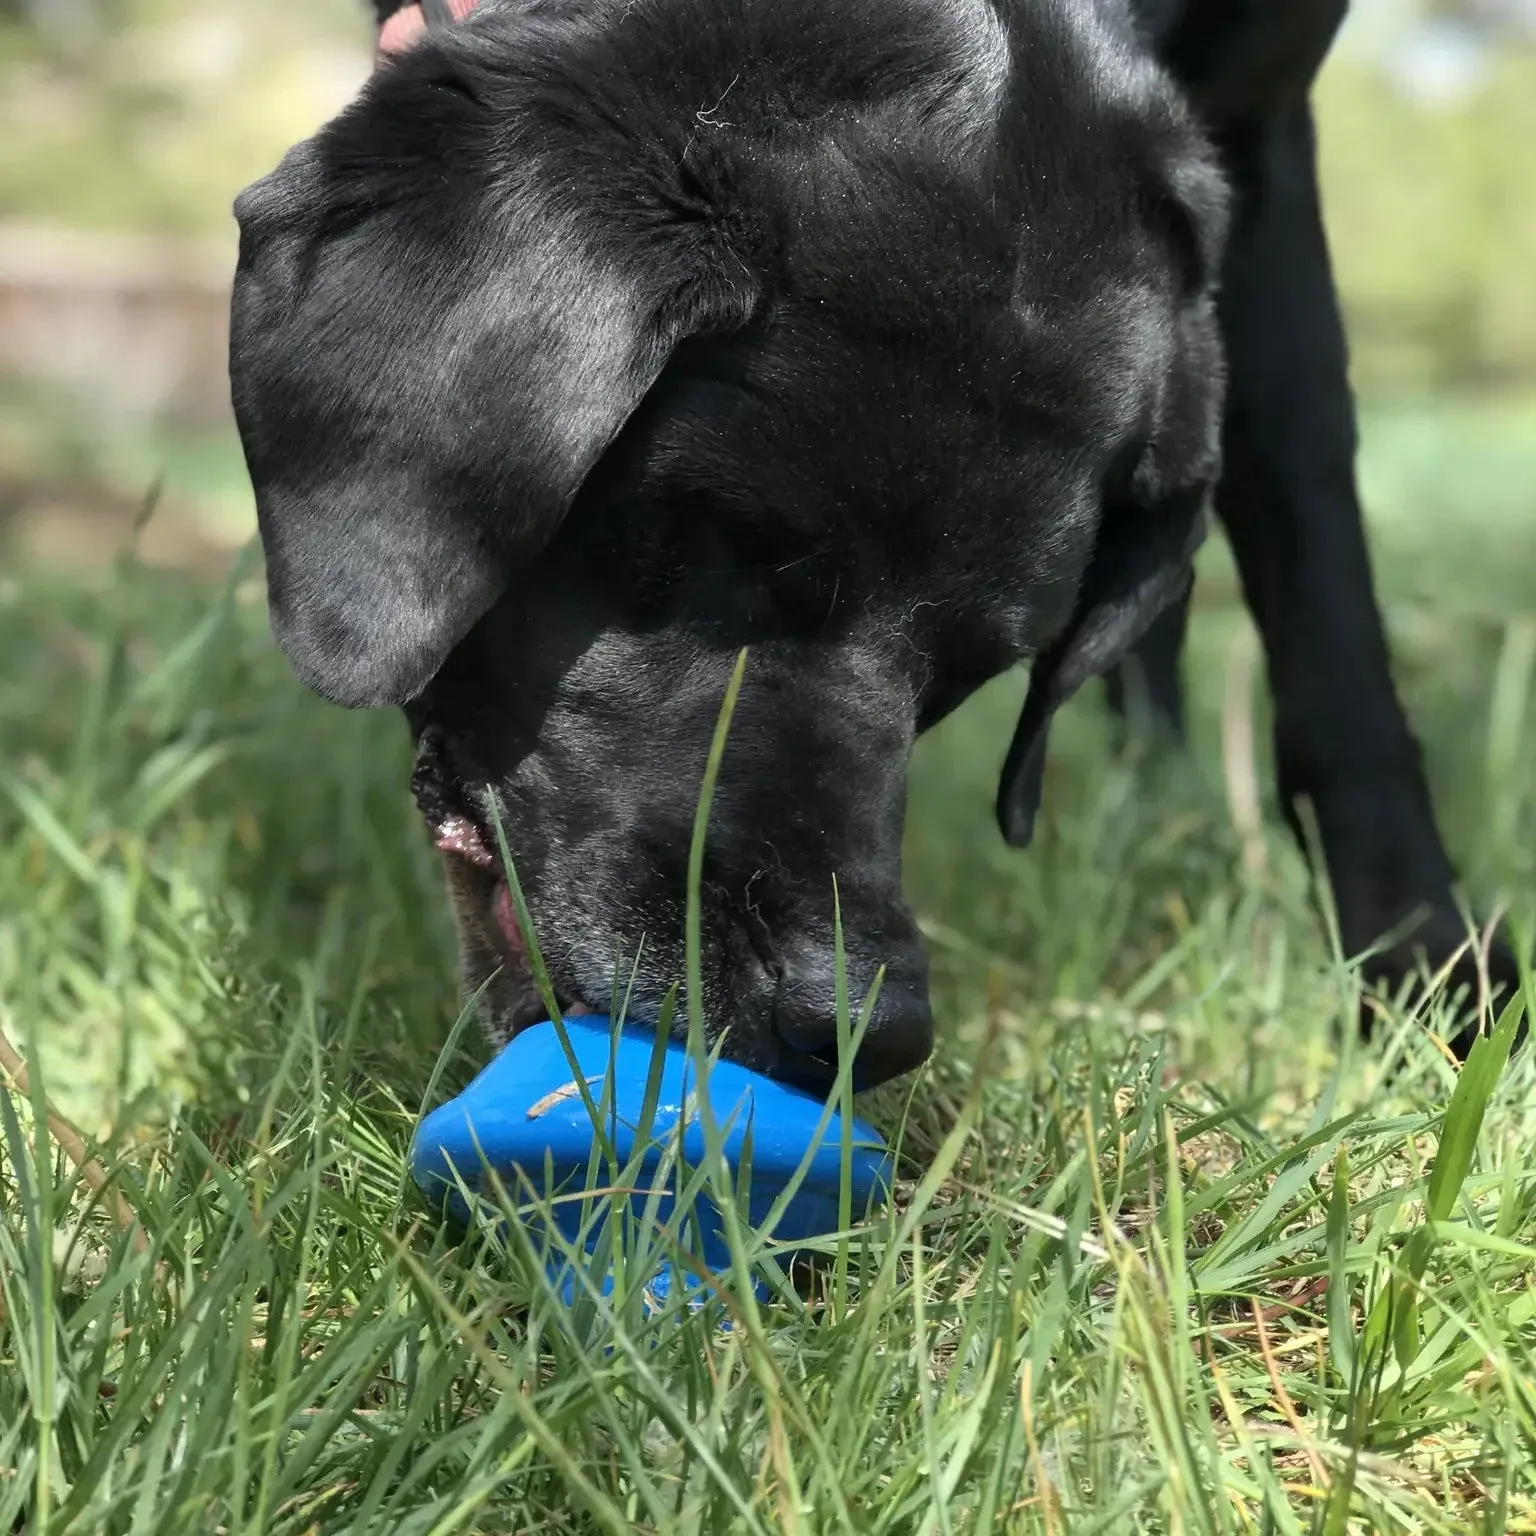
{"x": 1431, "y": 209}
{"x": 151, "y": 114}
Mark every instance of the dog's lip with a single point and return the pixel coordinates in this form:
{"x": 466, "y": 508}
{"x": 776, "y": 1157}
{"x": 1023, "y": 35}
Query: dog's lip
{"x": 460, "y": 833}
{"x": 811, "y": 1072}
{"x": 443, "y": 799}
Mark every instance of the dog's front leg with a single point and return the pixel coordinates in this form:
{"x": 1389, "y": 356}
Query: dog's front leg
{"x": 1289, "y": 501}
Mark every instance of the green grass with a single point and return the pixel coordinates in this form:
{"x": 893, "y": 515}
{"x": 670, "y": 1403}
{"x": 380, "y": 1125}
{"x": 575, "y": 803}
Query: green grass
{"x": 1179, "y": 1253}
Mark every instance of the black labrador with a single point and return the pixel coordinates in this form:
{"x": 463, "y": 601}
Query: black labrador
{"x": 896, "y": 340}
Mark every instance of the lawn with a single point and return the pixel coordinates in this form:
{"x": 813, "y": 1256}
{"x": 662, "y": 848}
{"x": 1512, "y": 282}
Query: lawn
{"x": 1179, "y": 1252}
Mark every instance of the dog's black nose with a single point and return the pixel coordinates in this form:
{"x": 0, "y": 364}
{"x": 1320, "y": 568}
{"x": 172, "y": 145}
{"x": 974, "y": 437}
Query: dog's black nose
{"x": 899, "y": 1037}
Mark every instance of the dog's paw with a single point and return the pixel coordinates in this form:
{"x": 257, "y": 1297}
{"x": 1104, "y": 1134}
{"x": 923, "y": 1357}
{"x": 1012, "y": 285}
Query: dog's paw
{"x": 1440, "y": 958}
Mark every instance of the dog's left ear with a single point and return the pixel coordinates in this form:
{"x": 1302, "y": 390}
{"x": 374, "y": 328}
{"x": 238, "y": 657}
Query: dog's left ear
{"x": 1141, "y": 564}
{"x": 448, "y": 304}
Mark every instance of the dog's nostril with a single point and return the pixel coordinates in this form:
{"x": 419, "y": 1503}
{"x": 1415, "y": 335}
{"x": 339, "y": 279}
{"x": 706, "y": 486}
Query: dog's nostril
{"x": 805, "y": 1012}
{"x": 899, "y": 1037}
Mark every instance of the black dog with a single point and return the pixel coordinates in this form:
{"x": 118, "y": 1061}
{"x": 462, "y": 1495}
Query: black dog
{"x": 602, "y": 338}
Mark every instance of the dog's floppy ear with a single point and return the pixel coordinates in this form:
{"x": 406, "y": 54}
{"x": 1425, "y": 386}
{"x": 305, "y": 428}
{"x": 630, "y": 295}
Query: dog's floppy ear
{"x": 1141, "y": 564}
{"x": 444, "y": 312}
{"x": 1156, "y": 519}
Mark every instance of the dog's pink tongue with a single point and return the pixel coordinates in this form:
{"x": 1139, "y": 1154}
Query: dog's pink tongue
{"x": 506, "y": 920}
{"x": 512, "y": 932}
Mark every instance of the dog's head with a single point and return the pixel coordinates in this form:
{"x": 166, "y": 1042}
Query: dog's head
{"x": 603, "y": 340}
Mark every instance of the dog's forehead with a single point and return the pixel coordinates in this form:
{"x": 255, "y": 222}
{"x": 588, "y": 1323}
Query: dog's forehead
{"x": 921, "y": 405}
{"x": 831, "y": 488}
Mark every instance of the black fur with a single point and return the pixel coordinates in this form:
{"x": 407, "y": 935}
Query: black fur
{"x": 602, "y": 338}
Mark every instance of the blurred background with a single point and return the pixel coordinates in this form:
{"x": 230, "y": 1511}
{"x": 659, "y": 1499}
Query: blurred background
{"x": 126, "y": 127}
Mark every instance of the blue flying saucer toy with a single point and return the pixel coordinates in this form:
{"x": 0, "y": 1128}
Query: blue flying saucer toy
{"x": 525, "y": 1120}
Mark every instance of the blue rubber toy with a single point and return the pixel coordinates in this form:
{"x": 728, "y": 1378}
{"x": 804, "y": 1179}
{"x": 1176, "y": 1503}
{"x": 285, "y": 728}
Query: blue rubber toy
{"x": 526, "y": 1112}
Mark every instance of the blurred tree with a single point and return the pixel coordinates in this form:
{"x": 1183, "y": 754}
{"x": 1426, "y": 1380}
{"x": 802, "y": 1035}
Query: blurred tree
{"x": 1486, "y": 15}
{"x": 71, "y": 24}
{"x": 151, "y": 114}
{"x": 1432, "y": 214}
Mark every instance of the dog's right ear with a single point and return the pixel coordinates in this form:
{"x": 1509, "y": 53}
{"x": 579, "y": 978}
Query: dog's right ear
{"x": 443, "y": 314}
{"x": 1141, "y": 564}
